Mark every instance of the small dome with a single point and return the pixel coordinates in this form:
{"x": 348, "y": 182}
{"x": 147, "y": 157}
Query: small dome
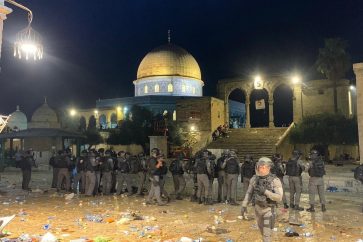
{"x": 44, "y": 117}
{"x": 44, "y": 114}
{"x": 169, "y": 60}
{"x": 18, "y": 120}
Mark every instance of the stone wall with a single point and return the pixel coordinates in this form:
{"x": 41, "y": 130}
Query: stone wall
{"x": 318, "y": 97}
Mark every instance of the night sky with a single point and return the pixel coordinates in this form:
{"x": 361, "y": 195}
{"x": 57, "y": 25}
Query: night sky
{"x": 93, "y": 47}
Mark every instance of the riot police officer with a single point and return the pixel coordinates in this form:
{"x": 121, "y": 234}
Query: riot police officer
{"x": 294, "y": 168}
{"x": 106, "y": 168}
{"x": 231, "y": 167}
{"x": 142, "y": 173}
{"x": 278, "y": 170}
{"x": 203, "y": 169}
{"x": 154, "y": 164}
{"x": 80, "y": 177}
{"x": 63, "y": 163}
{"x": 177, "y": 171}
{"x": 316, "y": 172}
{"x": 222, "y": 184}
{"x": 123, "y": 174}
{"x": 90, "y": 166}
{"x": 264, "y": 190}
{"x": 26, "y": 163}
{"x": 247, "y": 171}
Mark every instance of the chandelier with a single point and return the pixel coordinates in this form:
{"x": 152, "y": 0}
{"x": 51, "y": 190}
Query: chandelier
{"x": 28, "y": 43}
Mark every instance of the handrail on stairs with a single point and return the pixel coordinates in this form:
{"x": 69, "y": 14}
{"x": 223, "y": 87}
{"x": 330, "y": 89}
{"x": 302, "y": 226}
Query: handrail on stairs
{"x": 284, "y": 135}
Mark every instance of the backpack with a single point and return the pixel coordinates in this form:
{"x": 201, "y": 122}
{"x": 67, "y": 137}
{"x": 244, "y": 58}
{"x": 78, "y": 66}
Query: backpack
{"x": 358, "y": 173}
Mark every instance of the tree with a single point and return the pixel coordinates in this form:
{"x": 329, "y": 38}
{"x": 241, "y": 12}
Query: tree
{"x": 325, "y": 129}
{"x": 333, "y": 62}
{"x": 136, "y": 129}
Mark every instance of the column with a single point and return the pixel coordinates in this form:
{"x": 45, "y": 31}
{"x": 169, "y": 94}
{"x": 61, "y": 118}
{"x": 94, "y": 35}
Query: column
{"x": 297, "y": 103}
{"x": 358, "y": 71}
{"x": 248, "y": 122}
{"x": 3, "y": 12}
{"x": 271, "y": 112}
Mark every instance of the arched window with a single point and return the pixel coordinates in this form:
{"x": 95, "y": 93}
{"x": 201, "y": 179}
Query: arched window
{"x": 113, "y": 120}
{"x": 174, "y": 115}
{"x": 193, "y": 90}
{"x": 157, "y": 88}
{"x": 170, "y": 87}
{"x": 146, "y": 90}
{"x": 184, "y": 88}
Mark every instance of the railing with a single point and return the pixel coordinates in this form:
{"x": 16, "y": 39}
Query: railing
{"x": 284, "y": 135}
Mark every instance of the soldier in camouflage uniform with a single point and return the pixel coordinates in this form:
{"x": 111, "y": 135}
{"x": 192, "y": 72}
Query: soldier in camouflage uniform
{"x": 264, "y": 190}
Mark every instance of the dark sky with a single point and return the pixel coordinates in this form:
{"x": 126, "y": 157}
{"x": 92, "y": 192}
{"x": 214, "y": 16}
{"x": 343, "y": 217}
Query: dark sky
{"x": 93, "y": 47}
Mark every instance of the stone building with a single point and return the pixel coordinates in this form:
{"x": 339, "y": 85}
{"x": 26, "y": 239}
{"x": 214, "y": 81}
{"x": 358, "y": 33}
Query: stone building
{"x": 301, "y": 99}
{"x": 43, "y": 134}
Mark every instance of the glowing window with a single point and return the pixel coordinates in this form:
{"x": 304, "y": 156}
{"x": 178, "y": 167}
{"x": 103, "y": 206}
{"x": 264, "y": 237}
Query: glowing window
{"x": 174, "y": 115}
{"x": 165, "y": 112}
{"x": 170, "y": 87}
{"x": 146, "y": 89}
{"x": 157, "y": 88}
{"x": 184, "y": 88}
{"x": 193, "y": 90}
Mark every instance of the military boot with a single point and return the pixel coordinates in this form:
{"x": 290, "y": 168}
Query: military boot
{"x": 311, "y": 209}
{"x": 286, "y": 206}
{"x": 201, "y": 200}
{"x": 323, "y": 208}
{"x": 292, "y": 206}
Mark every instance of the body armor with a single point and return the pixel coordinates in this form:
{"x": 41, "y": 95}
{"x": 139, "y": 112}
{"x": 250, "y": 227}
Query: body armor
{"x": 123, "y": 166}
{"x": 248, "y": 169}
{"x": 293, "y": 168}
{"x": 232, "y": 166}
{"x": 266, "y": 182}
{"x": 106, "y": 164}
{"x": 277, "y": 169}
{"x": 176, "y": 167}
{"x": 201, "y": 166}
{"x": 317, "y": 169}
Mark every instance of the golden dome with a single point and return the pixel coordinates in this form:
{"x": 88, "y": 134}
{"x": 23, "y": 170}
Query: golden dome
{"x": 169, "y": 60}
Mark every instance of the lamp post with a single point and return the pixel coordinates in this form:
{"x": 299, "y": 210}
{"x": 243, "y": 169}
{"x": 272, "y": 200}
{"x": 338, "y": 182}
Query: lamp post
{"x": 28, "y": 42}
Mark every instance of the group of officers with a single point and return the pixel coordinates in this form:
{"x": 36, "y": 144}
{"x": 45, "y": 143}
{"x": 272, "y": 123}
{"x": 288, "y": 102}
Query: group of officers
{"x": 107, "y": 172}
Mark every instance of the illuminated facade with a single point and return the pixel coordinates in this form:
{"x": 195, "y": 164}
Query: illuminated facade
{"x": 165, "y": 74}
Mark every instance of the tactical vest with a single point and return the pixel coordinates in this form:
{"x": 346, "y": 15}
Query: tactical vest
{"x": 151, "y": 166}
{"x": 219, "y": 163}
{"x": 176, "y": 167}
{"x": 266, "y": 182}
{"x": 277, "y": 169}
{"x": 201, "y": 166}
{"x": 293, "y": 168}
{"x": 135, "y": 165}
{"x": 62, "y": 162}
{"x": 89, "y": 163}
{"x": 80, "y": 166}
{"x": 123, "y": 166}
{"x": 106, "y": 164}
{"x": 248, "y": 169}
{"x": 317, "y": 169}
{"x": 232, "y": 166}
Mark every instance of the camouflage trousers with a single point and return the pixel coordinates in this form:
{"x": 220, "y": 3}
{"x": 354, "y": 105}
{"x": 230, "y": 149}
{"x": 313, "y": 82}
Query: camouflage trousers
{"x": 295, "y": 184}
{"x": 265, "y": 218}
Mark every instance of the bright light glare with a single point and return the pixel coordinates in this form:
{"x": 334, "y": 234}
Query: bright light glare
{"x": 119, "y": 109}
{"x": 192, "y": 128}
{"x": 125, "y": 109}
{"x": 72, "y": 112}
{"x": 352, "y": 87}
{"x": 296, "y": 79}
{"x": 96, "y": 111}
{"x": 257, "y": 78}
{"x": 28, "y": 48}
